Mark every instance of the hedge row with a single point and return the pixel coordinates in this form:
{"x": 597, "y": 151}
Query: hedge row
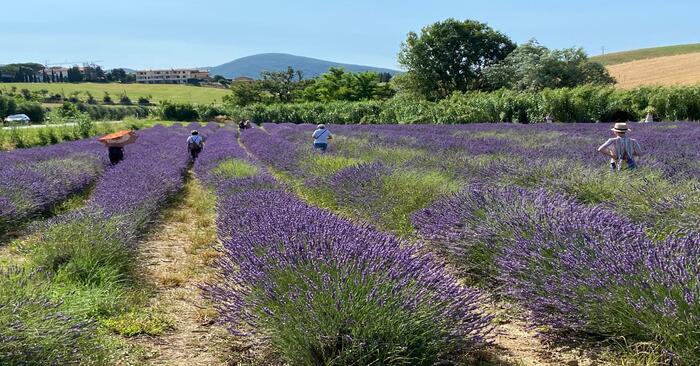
{"x": 37, "y": 112}
{"x": 580, "y": 104}
{"x": 169, "y": 111}
{"x": 116, "y": 113}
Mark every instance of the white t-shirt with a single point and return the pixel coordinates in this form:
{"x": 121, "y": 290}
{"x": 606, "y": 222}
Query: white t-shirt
{"x": 622, "y": 147}
{"x": 321, "y": 136}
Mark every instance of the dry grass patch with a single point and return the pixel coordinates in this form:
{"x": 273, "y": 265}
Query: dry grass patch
{"x": 176, "y": 261}
{"x": 669, "y": 70}
{"x": 170, "y": 279}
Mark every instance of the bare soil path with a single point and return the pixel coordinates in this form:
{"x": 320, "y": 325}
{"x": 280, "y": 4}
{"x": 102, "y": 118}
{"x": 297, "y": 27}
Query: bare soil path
{"x": 174, "y": 261}
{"x": 515, "y": 343}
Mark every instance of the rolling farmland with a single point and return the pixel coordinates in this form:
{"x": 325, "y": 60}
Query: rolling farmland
{"x": 668, "y": 70}
{"x": 670, "y": 65}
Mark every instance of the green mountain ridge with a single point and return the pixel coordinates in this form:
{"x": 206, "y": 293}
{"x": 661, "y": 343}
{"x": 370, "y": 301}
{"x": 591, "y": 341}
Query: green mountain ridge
{"x": 252, "y": 66}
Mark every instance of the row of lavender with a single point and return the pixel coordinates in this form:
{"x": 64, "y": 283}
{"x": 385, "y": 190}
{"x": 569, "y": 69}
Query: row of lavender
{"x": 320, "y": 288}
{"x": 578, "y": 268}
{"x": 34, "y": 180}
{"x": 664, "y": 194}
{"x": 670, "y": 147}
{"x": 82, "y": 262}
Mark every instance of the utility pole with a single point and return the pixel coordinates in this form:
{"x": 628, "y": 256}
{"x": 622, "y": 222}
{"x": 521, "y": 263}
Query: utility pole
{"x": 603, "y": 50}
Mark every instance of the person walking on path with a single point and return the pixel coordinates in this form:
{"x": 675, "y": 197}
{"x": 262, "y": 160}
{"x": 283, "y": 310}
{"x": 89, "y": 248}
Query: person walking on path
{"x": 195, "y": 144}
{"x": 321, "y": 136}
{"x": 116, "y": 154}
{"x": 115, "y": 143}
{"x": 621, "y": 149}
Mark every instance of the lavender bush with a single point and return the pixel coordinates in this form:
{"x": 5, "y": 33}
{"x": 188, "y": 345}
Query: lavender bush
{"x": 614, "y": 256}
{"x": 33, "y": 181}
{"x": 577, "y": 269}
{"x": 327, "y": 291}
{"x": 34, "y": 330}
{"x": 323, "y": 290}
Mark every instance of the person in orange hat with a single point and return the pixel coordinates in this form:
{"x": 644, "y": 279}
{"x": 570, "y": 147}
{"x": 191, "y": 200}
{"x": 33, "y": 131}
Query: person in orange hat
{"x": 621, "y": 149}
{"x": 115, "y": 143}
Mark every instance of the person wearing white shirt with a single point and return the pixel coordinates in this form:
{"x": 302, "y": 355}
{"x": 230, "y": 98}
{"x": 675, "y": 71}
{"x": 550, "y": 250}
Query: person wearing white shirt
{"x": 621, "y": 149}
{"x": 321, "y": 136}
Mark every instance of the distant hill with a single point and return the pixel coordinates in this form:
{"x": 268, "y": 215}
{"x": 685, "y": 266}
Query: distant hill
{"x": 646, "y": 53}
{"x": 252, "y": 66}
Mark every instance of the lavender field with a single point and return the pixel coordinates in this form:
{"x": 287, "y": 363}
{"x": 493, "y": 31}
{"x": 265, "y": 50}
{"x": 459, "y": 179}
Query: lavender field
{"x": 390, "y": 248}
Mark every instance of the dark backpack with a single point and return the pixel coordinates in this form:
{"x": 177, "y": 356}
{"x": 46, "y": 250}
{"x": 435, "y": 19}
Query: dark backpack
{"x": 194, "y": 145}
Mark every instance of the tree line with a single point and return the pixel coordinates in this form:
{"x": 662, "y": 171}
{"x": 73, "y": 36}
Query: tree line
{"x": 38, "y": 73}
{"x": 445, "y": 58}
{"x": 290, "y": 86}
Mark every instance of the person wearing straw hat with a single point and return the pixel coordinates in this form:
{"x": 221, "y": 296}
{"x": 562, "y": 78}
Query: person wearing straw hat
{"x": 621, "y": 149}
{"x": 321, "y": 136}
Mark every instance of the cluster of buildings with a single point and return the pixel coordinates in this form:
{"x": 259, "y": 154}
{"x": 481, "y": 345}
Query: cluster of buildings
{"x": 33, "y": 73}
{"x": 171, "y": 76}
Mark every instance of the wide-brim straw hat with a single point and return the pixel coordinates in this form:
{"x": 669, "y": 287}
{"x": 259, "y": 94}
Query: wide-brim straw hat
{"x": 621, "y": 127}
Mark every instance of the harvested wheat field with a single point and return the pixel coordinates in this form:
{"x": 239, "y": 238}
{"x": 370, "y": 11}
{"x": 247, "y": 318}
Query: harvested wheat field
{"x": 668, "y": 70}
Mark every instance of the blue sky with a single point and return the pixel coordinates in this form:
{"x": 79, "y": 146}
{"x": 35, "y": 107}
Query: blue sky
{"x": 182, "y": 33}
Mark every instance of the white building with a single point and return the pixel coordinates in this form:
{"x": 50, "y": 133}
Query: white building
{"x": 172, "y": 76}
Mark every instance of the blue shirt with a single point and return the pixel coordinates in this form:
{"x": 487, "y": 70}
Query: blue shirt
{"x": 197, "y": 139}
{"x": 321, "y": 136}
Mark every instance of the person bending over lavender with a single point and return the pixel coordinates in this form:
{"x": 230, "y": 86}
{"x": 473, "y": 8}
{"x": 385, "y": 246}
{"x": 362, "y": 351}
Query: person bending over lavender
{"x": 321, "y": 136}
{"x": 621, "y": 149}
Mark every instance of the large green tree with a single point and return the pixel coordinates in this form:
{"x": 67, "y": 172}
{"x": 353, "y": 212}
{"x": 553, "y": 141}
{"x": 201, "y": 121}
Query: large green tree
{"x": 534, "y": 67}
{"x": 338, "y": 84}
{"x": 283, "y": 85}
{"x": 451, "y": 55}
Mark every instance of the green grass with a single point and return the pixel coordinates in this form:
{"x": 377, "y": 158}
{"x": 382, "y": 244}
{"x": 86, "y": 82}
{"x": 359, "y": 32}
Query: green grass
{"x": 235, "y": 168}
{"x": 323, "y": 165}
{"x": 646, "y": 53}
{"x": 405, "y": 192}
{"x": 175, "y": 93}
{"x": 139, "y": 322}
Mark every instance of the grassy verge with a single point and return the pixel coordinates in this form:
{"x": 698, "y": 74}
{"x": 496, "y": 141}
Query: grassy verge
{"x": 82, "y": 271}
{"x": 13, "y": 138}
{"x": 81, "y": 292}
{"x": 175, "y": 93}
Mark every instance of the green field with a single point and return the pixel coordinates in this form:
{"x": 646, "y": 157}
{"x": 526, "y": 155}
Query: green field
{"x": 646, "y": 53}
{"x": 159, "y": 92}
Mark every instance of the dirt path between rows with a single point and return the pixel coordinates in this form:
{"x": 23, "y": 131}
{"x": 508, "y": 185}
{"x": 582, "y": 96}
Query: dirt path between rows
{"x": 515, "y": 343}
{"x": 174, "y": 262}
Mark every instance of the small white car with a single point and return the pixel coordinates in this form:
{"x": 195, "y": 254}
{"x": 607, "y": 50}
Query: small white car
{"x": 18, "y": 118}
